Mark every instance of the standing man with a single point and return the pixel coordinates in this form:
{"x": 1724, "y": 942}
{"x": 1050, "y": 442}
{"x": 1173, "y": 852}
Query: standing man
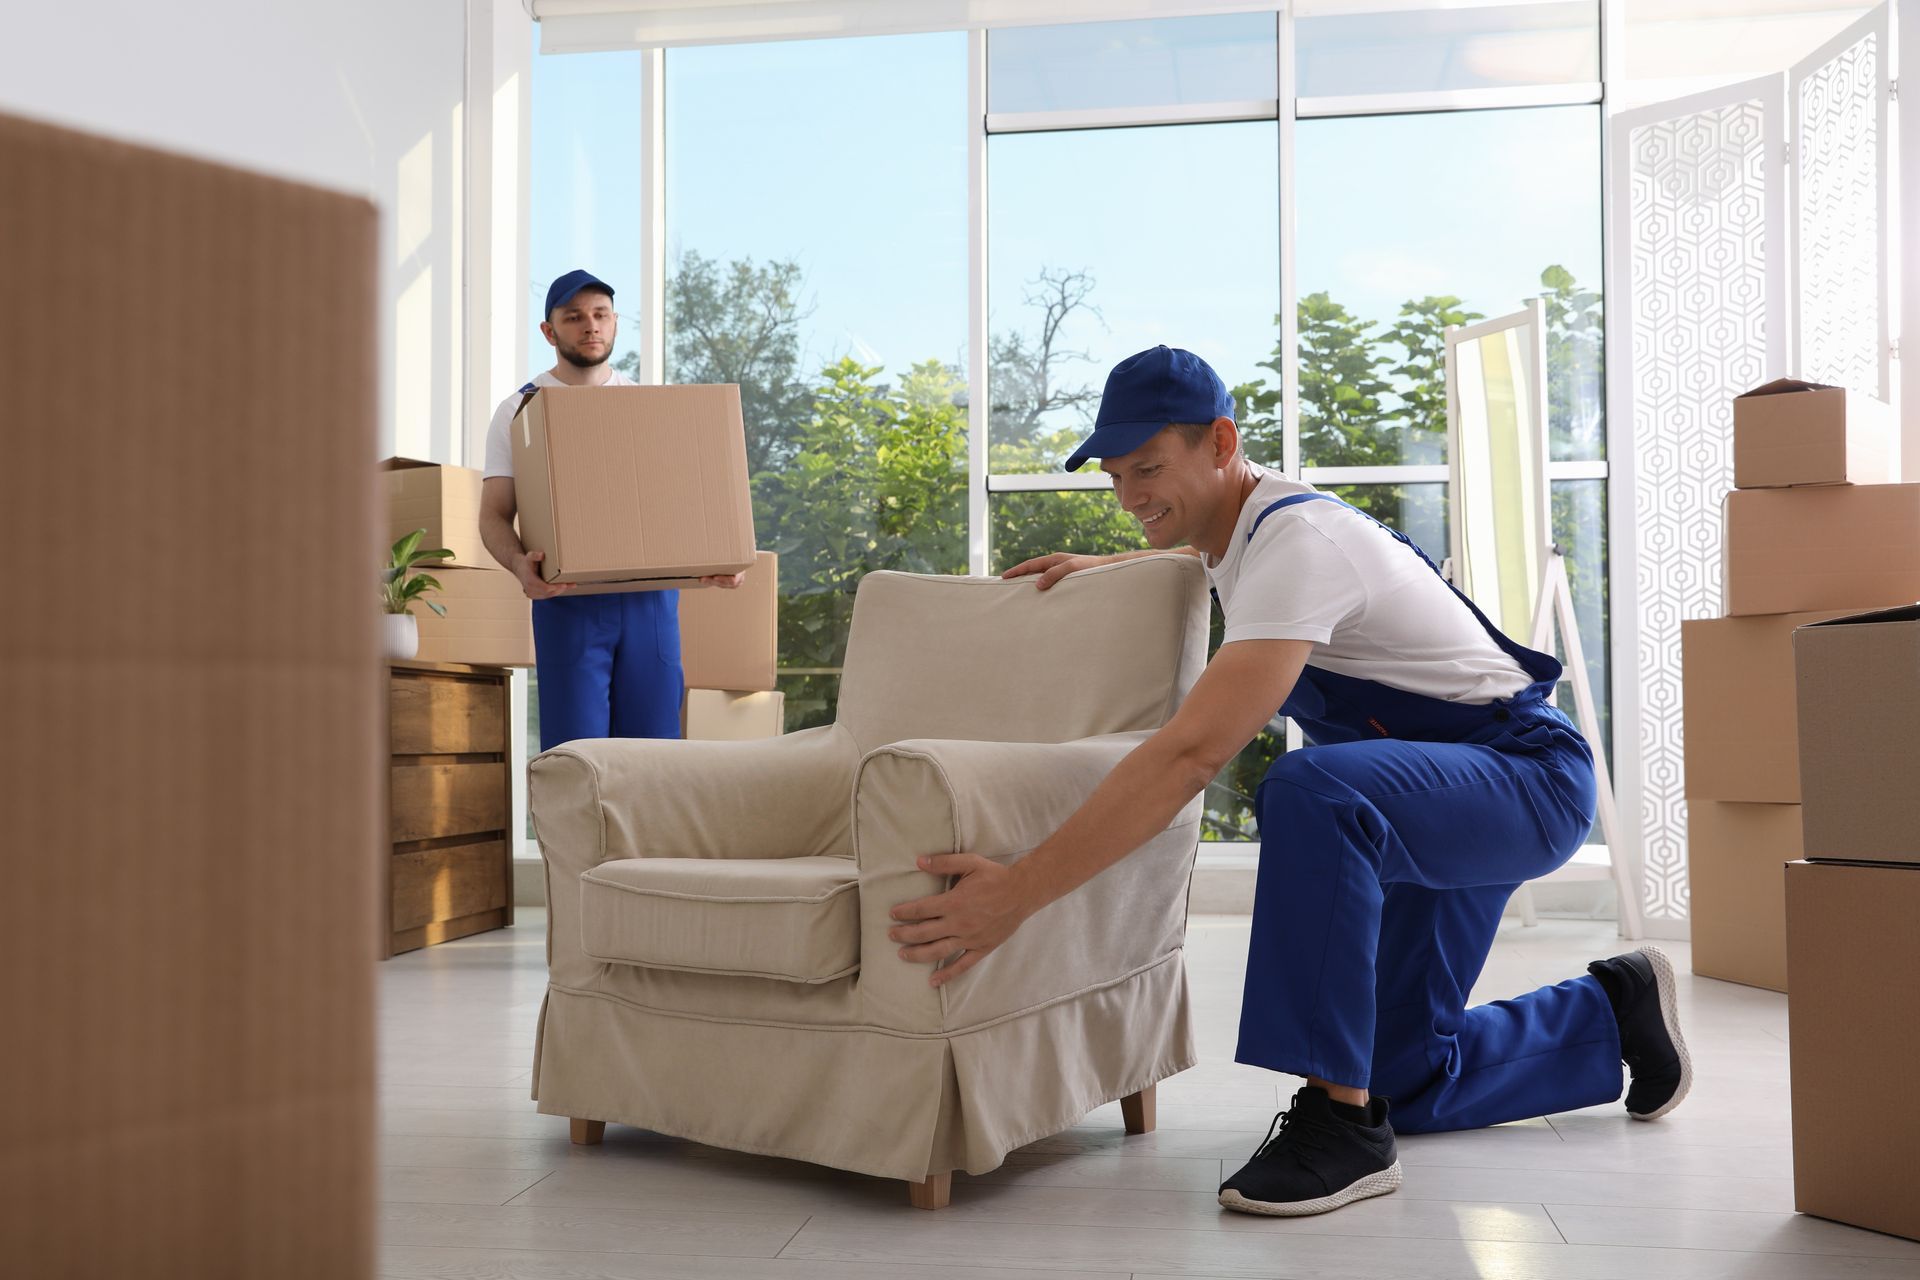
{"x": 609, "y": 665}
{"x": 1441, "y": 778}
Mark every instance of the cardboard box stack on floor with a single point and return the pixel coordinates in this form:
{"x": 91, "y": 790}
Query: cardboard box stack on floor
{"x": 1853, "y": 951}
{"x": 1812, "y": 532}
{"x": 729, "y": 641}
{"x": 189, "y": 772}
{"x": 489, "y": 620}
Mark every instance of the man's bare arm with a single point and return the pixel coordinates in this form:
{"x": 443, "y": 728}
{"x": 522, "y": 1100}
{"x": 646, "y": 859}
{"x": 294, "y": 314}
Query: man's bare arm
{"x": 1236, "y": 696}
{"x": 497, "y": 509}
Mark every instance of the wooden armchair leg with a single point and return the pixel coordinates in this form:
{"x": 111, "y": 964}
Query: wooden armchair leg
{"x": 587, "y": 1133}
{"x": 935, "y": 1193}
{"x": 1137, "y": 1111}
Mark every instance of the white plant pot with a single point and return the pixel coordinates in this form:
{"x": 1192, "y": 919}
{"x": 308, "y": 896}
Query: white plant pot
{"x": 400, "y": 634}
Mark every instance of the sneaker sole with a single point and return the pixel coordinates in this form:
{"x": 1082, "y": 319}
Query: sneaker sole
{"x": 1374, "y": 1184}
{"x": 1670, "y": 1016}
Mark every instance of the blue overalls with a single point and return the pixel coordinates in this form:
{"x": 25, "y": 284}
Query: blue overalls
{"x": 1387, "y": 852}
{"x": 609, "y": 666}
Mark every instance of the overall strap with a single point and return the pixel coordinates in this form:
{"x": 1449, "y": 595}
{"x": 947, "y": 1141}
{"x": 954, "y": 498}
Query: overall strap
{"x": 1304, "y": 497}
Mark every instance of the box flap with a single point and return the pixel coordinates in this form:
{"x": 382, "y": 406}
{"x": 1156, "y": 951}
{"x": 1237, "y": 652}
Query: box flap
{"x": 402, "y": 464}
{"x": 1781, "y": 386}
{"x": 1899, "y": 613}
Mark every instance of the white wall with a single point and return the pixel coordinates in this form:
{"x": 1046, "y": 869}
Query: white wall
{"x": 364, "y": 96}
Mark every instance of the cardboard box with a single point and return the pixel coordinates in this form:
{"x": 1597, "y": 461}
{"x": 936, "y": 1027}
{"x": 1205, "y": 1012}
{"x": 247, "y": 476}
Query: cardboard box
{"x": 1737, "y": 704}
{"x": 489, "y": 619}
{"x": 1853, "y": 959}
{"x": 729, "y": 638}
{"x": 1835, "y": 547}
{"x": 445, "y": 501}
{"x": 1790, "y": 432}
{"x": 191, "y": 787}
{"x": 1737, "y": 901}
{"x": 1859, "y": 698}
{"x": 718, "y": 715}
{"x": 634, "y": 488}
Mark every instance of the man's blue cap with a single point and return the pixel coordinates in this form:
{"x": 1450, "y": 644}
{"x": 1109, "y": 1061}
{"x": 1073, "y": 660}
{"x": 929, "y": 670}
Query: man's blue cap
{"x": 561, "y": 291}
{"x": 1145, "y": 394}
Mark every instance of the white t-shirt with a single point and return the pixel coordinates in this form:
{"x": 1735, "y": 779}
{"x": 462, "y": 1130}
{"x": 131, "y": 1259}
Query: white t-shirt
{"x": 1321, "y": 571}
{"x": 500, "y": 443}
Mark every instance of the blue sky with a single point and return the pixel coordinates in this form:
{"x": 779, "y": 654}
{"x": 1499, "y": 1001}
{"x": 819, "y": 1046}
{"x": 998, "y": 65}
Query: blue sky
{"x": 850, "y": 157}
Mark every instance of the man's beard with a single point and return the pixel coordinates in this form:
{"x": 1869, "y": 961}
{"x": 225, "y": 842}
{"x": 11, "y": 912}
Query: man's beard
{"x": 573, "y": 357}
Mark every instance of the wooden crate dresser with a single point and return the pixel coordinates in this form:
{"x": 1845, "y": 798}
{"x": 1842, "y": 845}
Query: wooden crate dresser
{"x": 451, "y": 803}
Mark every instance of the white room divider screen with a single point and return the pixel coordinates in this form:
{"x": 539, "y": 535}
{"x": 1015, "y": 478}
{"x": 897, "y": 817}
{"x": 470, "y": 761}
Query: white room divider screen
{"x": 1698, "y": 302}
{"x": 1838, "y": 99}
{"x": 1749, "y": 238}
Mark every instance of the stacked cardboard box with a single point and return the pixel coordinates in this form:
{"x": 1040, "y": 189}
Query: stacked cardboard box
{"x": 1852, "y": 951}
{"x": 728, "y": 647}
{"x": 1812, "y": 532}
{"x": 489, "y": 620}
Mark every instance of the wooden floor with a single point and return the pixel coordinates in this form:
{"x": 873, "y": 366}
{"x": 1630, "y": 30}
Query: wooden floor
{"x": 476, "y": 1184}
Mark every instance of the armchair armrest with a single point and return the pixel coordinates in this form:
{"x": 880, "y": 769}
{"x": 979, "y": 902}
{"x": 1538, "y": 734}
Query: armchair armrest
{"x": 1000, "y": 800}
{"x": 605, "y": 798}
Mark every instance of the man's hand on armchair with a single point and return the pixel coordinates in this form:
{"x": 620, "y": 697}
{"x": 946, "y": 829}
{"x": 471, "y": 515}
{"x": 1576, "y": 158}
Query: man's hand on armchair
{"x": 981, "y": 911}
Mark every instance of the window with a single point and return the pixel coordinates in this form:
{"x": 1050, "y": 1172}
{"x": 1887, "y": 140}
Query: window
{"x": 584, "y": 194}
{"x": 1349, "y": 49}
{"x": 817, "y": 256}
{"x": 1104, "y": 242}
{"x": 1116, "y": 65}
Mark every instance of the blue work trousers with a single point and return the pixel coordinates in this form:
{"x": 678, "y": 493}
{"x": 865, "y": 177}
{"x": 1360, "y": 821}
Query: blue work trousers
{"x": 609, "y": 666}
{"x": 1384, "y": 867}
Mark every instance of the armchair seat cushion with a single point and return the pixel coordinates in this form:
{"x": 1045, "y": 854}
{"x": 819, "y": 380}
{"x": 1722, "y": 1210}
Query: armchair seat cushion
{"x": 788, "y": 919}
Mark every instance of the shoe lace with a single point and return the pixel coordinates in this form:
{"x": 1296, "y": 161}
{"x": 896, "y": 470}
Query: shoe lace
{"x": 1290, "y": 1132}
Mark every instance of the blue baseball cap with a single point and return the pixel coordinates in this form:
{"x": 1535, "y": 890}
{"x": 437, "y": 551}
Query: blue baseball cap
{"x": 1145, "y": 394}
{"x": 561, "y": 291}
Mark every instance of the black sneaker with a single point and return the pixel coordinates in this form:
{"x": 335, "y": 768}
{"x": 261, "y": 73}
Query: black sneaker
{"x": 1659, "y": 1069}
{"x": 1313, "y": 1160}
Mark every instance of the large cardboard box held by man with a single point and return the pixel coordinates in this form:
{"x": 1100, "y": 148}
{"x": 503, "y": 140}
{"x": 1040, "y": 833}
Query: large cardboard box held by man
{"x": 729, "y": 638}
{"x": 1738, "y": 707}
{"x": 1858, "y": 679}
{"x": 443, "y": 500}
{"x": 1790, "y": 432}
{"x": 191, "y": 786}
{"x": 489, "y": 620}
{"x": 1853, "y": 1028}
{"x": 633, "y": 488}
{"x": 1827, "y": 547}
{"x": 1737, "y": 889}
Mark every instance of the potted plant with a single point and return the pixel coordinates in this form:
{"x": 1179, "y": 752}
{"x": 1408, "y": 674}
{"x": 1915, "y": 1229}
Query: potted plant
{"x": 401, "y": 584}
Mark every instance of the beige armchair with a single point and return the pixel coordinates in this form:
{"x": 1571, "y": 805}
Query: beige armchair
{"x": 718, "y": 911}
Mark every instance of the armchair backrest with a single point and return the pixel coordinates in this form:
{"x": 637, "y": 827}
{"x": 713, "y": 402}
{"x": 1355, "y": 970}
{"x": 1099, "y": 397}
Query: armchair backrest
{"x": 1106, "y": 650}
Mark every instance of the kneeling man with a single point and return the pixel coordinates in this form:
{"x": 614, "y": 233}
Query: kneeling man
{"x": 1441, "y": 777}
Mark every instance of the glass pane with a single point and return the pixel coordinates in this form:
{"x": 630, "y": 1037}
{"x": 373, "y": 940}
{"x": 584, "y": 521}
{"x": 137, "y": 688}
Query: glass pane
{"x": 1344, "y": 50}
{"x": 1084, "y": 521}
{"x": 1160, "y": 62}
{"x": 584, "y": 193}
{"x": 816, "y": 219}
{"x": 1381, "y": 279}
{"x": 1417, "y": 510}
{"x": 1088, "y": 267}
